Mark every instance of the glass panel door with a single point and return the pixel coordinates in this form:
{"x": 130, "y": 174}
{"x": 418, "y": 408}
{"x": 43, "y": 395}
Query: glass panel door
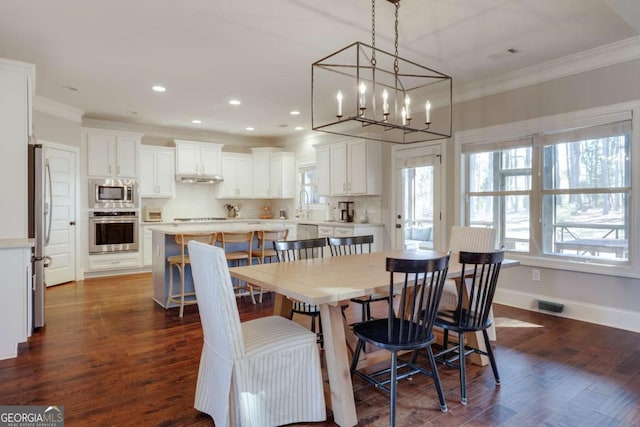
{"x": 418, "y": 205}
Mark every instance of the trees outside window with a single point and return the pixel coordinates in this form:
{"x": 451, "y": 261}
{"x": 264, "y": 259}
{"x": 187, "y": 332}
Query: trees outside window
{"x": 561, "y": 194}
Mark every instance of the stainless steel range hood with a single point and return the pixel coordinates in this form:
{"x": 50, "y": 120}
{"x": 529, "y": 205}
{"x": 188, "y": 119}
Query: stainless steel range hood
{"x": 199, "y": 179}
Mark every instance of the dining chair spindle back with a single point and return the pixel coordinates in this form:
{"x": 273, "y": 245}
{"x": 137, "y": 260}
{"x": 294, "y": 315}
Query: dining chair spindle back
{"x": 353, "y": 245}
{"x": 412, "y": 329}
{"x": 293, "y": 250}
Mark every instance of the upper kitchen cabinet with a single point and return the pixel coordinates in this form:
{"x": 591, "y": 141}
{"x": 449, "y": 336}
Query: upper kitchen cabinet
{"x": 283, "y": 175}
{"x": 349, "y": 168}
{"x": 323, "y": 169}
{"x": 238, "y": 176}
{"x": 112, "y": 154}
{"x": 198, "y": 159}
{"x": 157, "y": 172}
{"x": 274, "y": 173}
{"x": 16, "y": 91}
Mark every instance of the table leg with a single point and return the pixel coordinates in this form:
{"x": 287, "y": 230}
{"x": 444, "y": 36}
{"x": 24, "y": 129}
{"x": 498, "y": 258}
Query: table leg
{"x": 282, "y": 306}
{"x": 337, "y": 358}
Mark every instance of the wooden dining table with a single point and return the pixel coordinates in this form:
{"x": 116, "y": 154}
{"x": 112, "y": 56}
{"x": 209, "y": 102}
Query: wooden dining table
{"x": 326, "y": 282}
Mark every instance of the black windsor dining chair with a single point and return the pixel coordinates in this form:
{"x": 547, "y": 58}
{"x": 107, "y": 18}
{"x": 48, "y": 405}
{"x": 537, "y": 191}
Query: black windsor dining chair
{"x": 476, "y": 289}
{"x": 412, "y": 329}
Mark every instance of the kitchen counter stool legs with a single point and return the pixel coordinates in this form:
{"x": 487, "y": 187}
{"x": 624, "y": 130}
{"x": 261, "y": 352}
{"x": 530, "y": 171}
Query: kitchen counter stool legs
{"x": 180, "y": 262}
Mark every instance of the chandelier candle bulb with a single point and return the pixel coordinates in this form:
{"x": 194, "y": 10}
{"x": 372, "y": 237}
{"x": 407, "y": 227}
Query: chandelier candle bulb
{"x": 339, "y": 97}
{"x": 385, "y": 104}
{"x": 427, "y": 109}
{"x": 407, "y": 103}
{"x": 363, "y": 101}
{"x": 404, "y": 116}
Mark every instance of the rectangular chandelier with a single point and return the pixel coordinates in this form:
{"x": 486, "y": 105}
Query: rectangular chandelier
{"x": 350, "y": 97}
{"x": 365, "y": 92}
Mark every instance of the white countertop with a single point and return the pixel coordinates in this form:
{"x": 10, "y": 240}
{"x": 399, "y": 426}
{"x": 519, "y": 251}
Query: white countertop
{"x": 262, "y": 221}
{"x": 16, "y": 243}
{"x": 214, "y": 227}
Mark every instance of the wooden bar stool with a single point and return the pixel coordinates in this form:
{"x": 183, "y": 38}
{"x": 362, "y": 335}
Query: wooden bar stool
{"x": 265, "y": 249}
{"x": 180, "y": 262}
{"x": 235, "y": 256}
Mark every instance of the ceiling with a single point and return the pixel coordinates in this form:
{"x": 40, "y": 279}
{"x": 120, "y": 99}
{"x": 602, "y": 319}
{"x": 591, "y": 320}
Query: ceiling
{"x": 206, "y": 52}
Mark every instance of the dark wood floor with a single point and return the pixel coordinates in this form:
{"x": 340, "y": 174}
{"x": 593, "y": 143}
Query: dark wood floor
{"x": 113, "y": 357}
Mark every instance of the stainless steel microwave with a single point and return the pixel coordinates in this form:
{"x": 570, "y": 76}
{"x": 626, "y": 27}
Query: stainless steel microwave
{"x": 112, "y": 193}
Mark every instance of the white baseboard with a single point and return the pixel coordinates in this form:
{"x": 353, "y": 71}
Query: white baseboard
{"x": 591, "y": 313}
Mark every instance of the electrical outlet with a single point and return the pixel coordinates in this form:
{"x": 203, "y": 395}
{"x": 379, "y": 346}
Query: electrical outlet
{"x": 535, "y": 275}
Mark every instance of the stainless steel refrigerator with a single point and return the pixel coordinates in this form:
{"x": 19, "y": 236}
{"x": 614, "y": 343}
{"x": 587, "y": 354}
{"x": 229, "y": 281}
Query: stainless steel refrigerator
{"x": 39, "y": 226}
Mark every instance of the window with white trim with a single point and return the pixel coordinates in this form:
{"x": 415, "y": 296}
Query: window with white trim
{"x": 309, "y": 184}
{"x": 562, "y": 193}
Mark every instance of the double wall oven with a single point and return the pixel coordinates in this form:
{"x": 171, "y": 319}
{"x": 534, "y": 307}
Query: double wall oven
{"x": 113, "y": 216}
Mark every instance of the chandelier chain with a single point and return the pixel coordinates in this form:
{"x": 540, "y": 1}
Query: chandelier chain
{"x": 395, "y": 62}
{"x": 373, "y": 33}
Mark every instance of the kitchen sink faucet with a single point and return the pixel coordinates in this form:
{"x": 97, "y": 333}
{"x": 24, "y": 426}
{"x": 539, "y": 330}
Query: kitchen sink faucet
{"x": 303, "y": 198}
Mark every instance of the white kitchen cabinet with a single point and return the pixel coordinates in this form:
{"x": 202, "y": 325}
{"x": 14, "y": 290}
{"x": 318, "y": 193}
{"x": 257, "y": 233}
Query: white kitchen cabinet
{"x": 147, "y": 246}
{"x": 16, "y": 85}
{"x": 274, "y": 173}
{"x": 323, "y": 169}
{"x": 283, "y": 175}
{"x": 108, "y": 262}
{"x": 15, "y": 264}
{"x": 198, "y": 158}
{"x": 112, "y": 154}
{"x": 339, "y": 178}
{"x": 157, "y": 172}
{"x": 262, "y": 172}
{"x": 237, "y": 171}
{"x": 354, "y": 168}
{"x": 353, "y": 229}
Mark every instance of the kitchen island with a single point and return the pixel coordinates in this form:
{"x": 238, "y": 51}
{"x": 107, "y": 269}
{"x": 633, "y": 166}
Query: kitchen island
{"x": 164, "y": 245}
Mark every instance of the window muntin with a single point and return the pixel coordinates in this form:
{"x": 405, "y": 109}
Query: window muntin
{"x": 577, "y": 207}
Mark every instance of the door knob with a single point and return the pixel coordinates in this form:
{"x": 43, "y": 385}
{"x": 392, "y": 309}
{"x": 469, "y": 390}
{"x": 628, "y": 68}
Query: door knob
{"x": 72, "y": 223}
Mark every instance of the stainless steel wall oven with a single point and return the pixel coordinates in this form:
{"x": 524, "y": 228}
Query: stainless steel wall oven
{"x": 113, "y": 231}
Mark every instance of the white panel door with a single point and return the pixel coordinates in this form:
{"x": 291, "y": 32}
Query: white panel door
{"x": 61, "y": 248}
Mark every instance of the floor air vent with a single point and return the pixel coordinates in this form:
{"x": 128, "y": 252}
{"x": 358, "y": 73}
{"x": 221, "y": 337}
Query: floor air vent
{"x": 553, "y": 307}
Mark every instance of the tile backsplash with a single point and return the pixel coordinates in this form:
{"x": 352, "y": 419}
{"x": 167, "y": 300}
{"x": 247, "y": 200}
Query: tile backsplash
{"x": 200, "y": 200}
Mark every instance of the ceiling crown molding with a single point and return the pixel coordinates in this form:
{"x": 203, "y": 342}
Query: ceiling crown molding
{"x": 57, "y": 109}
{"x": 614, "y": 53}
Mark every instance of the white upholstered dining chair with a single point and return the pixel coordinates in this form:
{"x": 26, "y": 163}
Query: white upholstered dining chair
{"x": 264, "y": 372}
{"x": 469, "y": 239}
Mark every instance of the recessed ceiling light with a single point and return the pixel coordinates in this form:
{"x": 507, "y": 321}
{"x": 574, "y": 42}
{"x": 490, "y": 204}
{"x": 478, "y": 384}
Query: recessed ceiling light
{"x": 298, "y": 127}
{"x": 196, "y": 122}
{"x": 158, "y": 88}
{"x": 70, "y": 88}
{"x": 250, "y": 128}
{"x": 294, "y": 113}
{"x": 234, "y": 102}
